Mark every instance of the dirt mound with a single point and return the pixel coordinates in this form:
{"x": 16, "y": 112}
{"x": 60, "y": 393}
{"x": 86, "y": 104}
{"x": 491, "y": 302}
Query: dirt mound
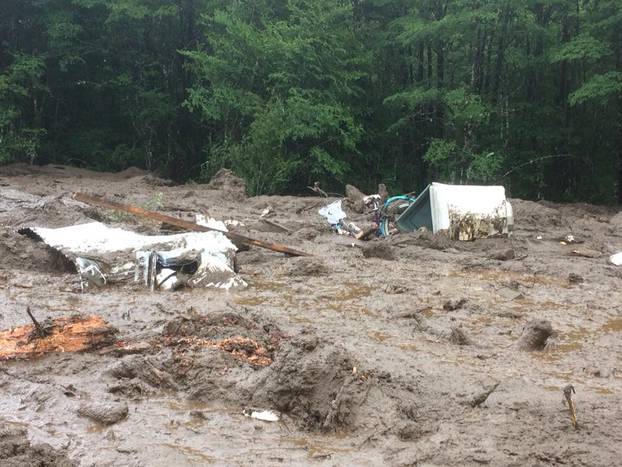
{"x": 201, "y": 355}
{"x": 535, "y": 216}
{"x": 316, "y": 383}
{"x": 425, "y": 239}
{"x": 245, "y": 339}
{"x": 229, "y": 184}
{"x": 378, "y": 250}
{"x": 17, "y": 169}
{"x": 535, "y": 335}
{"x": 616, "y": 223}
{"x": 16, "y": 450}
{"x": 130, "y": 172}
{"x": 303, "y": 266}
{"x": 23, "y": 254}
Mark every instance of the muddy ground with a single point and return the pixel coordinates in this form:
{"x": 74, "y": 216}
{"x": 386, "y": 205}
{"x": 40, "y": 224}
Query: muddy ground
{"x": 374, "y": 353}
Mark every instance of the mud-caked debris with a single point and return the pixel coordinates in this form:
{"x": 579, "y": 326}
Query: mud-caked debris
{"x": 104, "y": 412}
{"x": 535, "y": 335}
{"x": 17, "y": 451}
{"x": 453, "y": 305}
{"x": 355, "y": 196}
{"x": 505, "y": 254}
{"x": 480, "y": 397}
{"x": 382, "y": 191}
{"x": 229, "y": 184}
{"x": 459, "y": 336}
{"x": 396, "y": 289}
{"x": 409, "y": 431}
{"x": 575, "y": 278}
{"x": 304, "y": 266}
{"x": 135, "y": 369}
{"x": 378, "y": 250}
{"x": 616, "y": 222}
{"x": 306, "y": 233}
{"x": 427, "y": 239}
{"x": 313, "y": 381}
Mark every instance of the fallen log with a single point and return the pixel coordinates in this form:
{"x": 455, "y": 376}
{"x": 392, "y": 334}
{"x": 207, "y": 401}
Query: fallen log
{"x": 67, "y": 334}
{"x": 186, "y": 225}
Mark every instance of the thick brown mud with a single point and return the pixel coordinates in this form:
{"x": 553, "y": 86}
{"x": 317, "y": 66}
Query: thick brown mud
{"x": 414, "y": 350}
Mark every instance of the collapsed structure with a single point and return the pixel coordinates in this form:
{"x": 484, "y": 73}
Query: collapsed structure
{"x": 103, "y": 254}
{"x": 465, "y": 212}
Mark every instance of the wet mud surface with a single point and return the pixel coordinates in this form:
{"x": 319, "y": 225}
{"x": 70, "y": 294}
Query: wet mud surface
{"x": 414, "y": 350}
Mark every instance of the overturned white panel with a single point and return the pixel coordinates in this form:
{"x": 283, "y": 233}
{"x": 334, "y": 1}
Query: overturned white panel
{"x": 213, "y": 252}
{"x": 481, "y": 201}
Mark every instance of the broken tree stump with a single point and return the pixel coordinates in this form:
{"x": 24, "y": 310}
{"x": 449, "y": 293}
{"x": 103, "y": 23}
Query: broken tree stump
{"x": 72, "y": 334}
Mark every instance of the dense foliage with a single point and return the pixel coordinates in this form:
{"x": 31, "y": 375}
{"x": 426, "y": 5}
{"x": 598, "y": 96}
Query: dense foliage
{"x": 527, "y": 93}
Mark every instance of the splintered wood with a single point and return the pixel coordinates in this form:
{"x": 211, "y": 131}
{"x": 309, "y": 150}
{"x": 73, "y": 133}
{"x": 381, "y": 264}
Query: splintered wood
{"x": 71, "y": 334}
{"x": 242, "y": 348}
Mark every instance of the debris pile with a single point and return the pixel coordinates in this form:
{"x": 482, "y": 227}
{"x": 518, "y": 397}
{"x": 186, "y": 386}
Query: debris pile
{"x": 461, "y": 212}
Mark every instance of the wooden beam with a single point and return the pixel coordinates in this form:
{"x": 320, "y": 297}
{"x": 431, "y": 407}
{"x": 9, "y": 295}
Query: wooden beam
{"x": 183, "y": 224}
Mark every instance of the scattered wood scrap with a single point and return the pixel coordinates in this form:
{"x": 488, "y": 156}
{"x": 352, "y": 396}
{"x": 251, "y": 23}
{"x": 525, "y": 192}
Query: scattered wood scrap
{"x": 66, "y": 334}
{"x": 586, "y": 253}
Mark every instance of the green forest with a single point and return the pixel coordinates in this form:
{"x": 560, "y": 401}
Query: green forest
{"x": 524, "y": 93}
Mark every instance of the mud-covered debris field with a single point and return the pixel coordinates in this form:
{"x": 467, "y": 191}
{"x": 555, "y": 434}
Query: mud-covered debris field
{"x": 409, "y": 350}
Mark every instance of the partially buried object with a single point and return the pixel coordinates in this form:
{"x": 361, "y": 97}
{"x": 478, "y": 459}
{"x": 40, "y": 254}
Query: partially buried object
{"x": 264, "y": 415}
{"x": 535, "y": 334}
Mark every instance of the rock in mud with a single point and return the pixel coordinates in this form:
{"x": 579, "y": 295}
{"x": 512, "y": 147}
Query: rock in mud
{"x": 16, "y": 450}
{"x": 616, "y": 222}
{"x": 355, "y": 196}
{"x": 313, "y": 381}
{"x": 306, "y": 233}
{"x": 378, "y": 250}
{"x": 535, "y": 334}
{"x": 383, "y": 192}
{"x": 453, "y": 305}
{"x": 502, "y": 255}
{"x": 409, "y": 431}
{"x": 137, "y": 368}
{"x": 106, "y": 413}
{"x": 229, "y": 184}
{"x": 458, "y": 336}
{"x": 575, "y": 278}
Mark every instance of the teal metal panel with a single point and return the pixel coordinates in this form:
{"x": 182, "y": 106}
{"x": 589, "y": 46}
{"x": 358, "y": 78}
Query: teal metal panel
{"x": 418, "y": 214}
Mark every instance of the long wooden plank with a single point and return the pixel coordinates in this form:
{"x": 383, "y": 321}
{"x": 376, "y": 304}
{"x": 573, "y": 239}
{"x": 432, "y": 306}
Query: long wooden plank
{"x": 183, "y": 224}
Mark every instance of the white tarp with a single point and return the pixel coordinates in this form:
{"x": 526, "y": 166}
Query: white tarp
{"x": 333, "y": 212}
{"x": 213, "y": 251}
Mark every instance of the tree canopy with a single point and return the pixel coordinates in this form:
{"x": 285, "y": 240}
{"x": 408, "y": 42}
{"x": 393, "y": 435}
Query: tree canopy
{"x": 525, "y": 93}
